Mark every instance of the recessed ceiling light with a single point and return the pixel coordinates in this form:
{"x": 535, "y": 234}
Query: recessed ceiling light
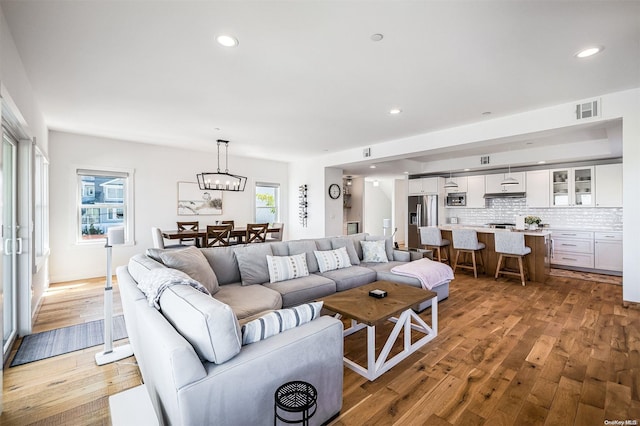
{"x": 377, "y": 37}
{"x": 589, "y": 51}
{"x": 466, "y": 170}
{"x": 406, "y": 173}
{"x": 373, "y": 166}
{"x": 227, "y": 40}
{"x": 395, "y": 111}
{"x": 541, "y": 162}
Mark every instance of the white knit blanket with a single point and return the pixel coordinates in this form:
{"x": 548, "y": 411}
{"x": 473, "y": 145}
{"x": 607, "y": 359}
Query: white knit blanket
{"x": 157, "y": 280}
{"x": 431, "y": 274}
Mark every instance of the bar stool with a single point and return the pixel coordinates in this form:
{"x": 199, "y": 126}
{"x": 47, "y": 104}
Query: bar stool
{"x": 431, "y": 239}
{"x": 511, "y": 244}
{"x": 466, "y": 241}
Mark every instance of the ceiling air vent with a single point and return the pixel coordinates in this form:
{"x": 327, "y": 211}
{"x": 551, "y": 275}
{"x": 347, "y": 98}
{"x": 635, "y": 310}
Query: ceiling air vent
{"x": 366, "y": 152}
{"x": 484, "y": 159}
{"x": 588, "y": 110}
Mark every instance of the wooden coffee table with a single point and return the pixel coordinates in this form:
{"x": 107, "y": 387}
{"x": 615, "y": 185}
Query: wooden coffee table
{"x": 367, "y": 312}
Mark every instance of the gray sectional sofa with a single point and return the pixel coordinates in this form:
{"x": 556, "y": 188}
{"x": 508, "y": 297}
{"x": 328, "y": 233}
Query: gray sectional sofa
{"x": 190, "y": 353}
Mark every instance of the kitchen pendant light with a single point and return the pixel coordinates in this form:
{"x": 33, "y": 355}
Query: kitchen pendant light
{"x": 221, "y": 181}
{"x": 450, "y": 184}
{"x": 509, "y": 180}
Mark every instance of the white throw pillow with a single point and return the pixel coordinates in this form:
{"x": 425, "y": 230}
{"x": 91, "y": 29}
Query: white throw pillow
{"x": 328, "y": 260}
{"x": 278, "y": 321}
{"x": 374, "y": 251}
{"x": 282, "y": 268}
{"x": 192, "y": 262}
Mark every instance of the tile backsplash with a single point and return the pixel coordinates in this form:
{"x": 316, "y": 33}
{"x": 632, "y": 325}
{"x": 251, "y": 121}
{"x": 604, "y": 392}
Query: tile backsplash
{"x": 505, "y": 210}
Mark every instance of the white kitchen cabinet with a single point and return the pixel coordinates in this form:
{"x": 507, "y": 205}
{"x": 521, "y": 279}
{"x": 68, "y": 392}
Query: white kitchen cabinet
{"x": 538, "y": 188}
{"x": 572, "y": 248}
{"x": 462, "y": 184}
{"x": 608, "y": 179}
{"x": 608, "y": 251}
{"x": 572, "y": 187}
{"x": 423, "y": 186}
{"x": 475, "y": 192}
{"x": 493, "y": 183}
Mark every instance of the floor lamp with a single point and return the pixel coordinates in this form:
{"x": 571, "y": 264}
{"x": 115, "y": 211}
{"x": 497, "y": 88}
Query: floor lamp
{"x": 115, "y": 236}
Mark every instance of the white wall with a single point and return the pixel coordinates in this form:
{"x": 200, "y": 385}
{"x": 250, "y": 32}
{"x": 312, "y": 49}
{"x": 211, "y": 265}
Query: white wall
{"x": 157, "y": 171}
{"x": 17, "y": 89}
{"x": 377, "y": 206}
{"x": 333, "y": 210}
{"x": 400, "y": 211}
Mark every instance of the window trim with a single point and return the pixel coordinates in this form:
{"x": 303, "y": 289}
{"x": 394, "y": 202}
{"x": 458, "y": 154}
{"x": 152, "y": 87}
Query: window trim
{"x": 275, "y": 185}
{"x": 128, "y": 175}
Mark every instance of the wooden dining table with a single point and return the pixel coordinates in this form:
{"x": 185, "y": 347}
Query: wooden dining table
{"x": 200, "y": 235}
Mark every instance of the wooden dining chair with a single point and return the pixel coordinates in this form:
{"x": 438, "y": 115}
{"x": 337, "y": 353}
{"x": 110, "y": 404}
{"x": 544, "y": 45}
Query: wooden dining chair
{"x": 276, "y": 235}
{"x": 232, "y": 240}
{"x": 218, "y": 235}
{"x": 188, "y": 226}
{"x": 256, "y": 232}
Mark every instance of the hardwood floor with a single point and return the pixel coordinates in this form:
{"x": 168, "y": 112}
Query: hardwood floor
{"x": 69, "y": 389}
{"x": 565, "y": 352}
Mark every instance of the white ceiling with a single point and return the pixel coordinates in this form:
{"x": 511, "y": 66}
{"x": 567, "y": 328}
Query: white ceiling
{"x": 306, "y": 78}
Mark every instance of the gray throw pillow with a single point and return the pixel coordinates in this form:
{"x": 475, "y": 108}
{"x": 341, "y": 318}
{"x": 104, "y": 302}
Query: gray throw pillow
{"x": 348, "y": 244}
{"x": 252, "y": 262}
{"x": 192, "y": 262}
{"x": 308, "y": 247}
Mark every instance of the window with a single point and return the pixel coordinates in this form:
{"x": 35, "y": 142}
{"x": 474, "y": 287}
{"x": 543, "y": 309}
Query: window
{"x": 105, "y": 200}
{"x": 41, "y": 211}
{"x": 267, "y": 202}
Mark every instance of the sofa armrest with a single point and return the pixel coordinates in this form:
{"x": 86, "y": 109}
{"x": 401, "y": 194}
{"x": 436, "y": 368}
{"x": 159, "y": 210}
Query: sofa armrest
{"x": 311, "y": 352}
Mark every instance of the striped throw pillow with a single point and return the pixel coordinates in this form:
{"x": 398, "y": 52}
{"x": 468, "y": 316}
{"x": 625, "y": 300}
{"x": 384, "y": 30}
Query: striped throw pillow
{"x": 282, "y": 268}
{"x": 278, "y": 321}
{"x": 328, "y": 260}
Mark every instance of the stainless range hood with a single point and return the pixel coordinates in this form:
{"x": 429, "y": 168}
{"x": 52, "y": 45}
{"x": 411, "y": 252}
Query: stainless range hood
{"x": 506, "y": 195}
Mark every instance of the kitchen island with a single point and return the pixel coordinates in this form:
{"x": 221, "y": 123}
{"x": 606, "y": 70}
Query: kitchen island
{"x": 538, "y": 261}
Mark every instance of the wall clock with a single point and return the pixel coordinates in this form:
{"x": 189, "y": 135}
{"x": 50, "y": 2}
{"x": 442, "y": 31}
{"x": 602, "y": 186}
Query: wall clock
{"x": 334, "y": 191}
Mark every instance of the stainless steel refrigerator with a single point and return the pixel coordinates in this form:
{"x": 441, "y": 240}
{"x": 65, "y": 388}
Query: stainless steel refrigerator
{"x": 423, "y": 211}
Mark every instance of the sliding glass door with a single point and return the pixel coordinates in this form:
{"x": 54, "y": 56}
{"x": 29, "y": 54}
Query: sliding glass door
{"x": 10, "y": 243}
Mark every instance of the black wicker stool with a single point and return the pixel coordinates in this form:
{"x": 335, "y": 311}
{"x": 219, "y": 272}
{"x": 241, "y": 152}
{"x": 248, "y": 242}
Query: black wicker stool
{"x": 296, "y": 397}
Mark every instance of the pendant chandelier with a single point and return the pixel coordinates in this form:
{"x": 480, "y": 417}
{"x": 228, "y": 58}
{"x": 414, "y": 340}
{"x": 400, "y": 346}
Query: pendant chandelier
{"x": 221, "y": 181}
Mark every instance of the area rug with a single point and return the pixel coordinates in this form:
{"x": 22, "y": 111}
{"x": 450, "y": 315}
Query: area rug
{"x": 47, "y": 344}
{"x": 587, "y": 276}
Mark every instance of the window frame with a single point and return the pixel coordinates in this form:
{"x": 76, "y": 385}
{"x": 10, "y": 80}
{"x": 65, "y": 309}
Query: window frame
{"x": 41, "y": 207}
{"x": 275, "y": 185}
{"x": 127, "y": 205}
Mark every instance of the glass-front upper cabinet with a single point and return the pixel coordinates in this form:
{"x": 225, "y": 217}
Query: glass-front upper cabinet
{"x": 572, "y": 187}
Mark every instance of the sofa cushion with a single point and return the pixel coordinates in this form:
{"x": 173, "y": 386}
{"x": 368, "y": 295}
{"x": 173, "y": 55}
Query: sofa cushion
{"x": 223, "y": 261}
{"x": 356, "y": 242}
{"x": 388, "y": 244}
{"x": 249, "y": 300}
{"x": 279, "y": 321}
{"x": 282, "y": 268}
{"x": 307, "y": 247}
{"x": 348, "y": 244}
{"x": 301, "y": 290}
{"x": 329, "y": 260}
{"x": 252, "y": 262}
{"x": 209, "y": 325}
{"x": 280, "y": 248}
{"x": 140, "y": 264}
{"x": 323, "y": 244}
{"x": 193, "y": 263}
{"x": 374, "y": 251}
{"x": 350, "y": 277}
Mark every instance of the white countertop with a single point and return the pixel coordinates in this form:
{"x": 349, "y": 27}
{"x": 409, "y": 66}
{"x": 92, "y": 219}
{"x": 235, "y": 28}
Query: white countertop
{"x": 487, "y": 230}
